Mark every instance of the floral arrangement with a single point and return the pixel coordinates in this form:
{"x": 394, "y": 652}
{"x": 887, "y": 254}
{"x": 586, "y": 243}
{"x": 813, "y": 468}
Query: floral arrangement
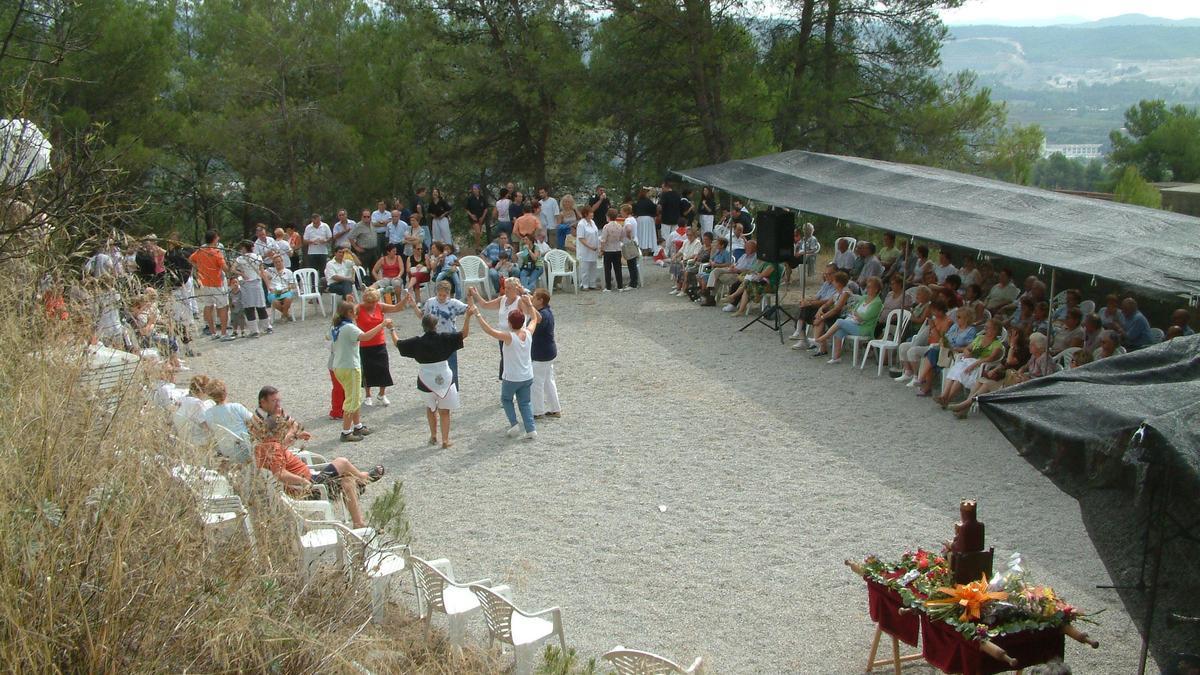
{"x": 1007, "y": 603}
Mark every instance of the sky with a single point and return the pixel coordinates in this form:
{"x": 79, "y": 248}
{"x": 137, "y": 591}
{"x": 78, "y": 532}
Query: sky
{"x": 1032, "y": 12}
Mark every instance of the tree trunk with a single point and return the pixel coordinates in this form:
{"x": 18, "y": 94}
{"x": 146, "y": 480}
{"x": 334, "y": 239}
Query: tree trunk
{"x": 786, "y": 125}
{"x": 705, "y": 67}
{"x": 830, "y": 74}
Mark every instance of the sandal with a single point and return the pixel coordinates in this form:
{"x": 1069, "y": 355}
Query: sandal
{"x": 376, "y": 473}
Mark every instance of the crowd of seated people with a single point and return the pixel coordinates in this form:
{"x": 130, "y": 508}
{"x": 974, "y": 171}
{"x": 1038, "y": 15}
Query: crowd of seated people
{"x": 972, "y": 329}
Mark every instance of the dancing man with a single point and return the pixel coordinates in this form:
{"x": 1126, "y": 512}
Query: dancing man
{"x": 433, "y": 350}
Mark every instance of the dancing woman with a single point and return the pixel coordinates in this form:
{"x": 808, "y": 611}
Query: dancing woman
{"x": 373, "y": 352}
{"x": 506, "y": 302}
{"x": 517, "y": 382}
{"x": 346, "y": 364}
{"x": 433, "y": 350}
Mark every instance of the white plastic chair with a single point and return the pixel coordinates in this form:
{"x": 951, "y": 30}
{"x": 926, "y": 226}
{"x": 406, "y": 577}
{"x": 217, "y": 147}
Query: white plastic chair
{"x": 230, "y": 445}
{"x": 523, "y": 630}
{"x": 850, "y": 241}
{"x": 437, "y": 591}
{"x": 1087, "y": 307}
{"x": 322, "y": 538}
{"x": 1158, "y": 335}
{"x": 307, "y": 282}
{"x": 475, "y": 273}
{"x": 636, "y": 662}
{"x": 220, "y": 509}
{"x": 364, "y": 280}
{"x": 559, "y": 264}
{"x": 1064, "y": 357}
{"x": 893, "y": 330}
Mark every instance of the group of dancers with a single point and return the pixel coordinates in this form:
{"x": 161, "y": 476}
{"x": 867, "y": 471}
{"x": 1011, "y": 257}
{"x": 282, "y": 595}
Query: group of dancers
{"x": 358, "y": 360}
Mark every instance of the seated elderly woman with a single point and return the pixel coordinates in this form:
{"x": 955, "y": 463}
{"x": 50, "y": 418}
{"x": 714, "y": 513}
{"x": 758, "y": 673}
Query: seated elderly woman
{"x": 957, "y": 336}
{"x": 1069, "y": 334}
{"x": 1038, "y": 364}
{"x": 757, "y": 282}
{"x": 933, "y": 324}
{"x": 859, "y": 321}
{"x": 272, "y": 453}
{"x": 685, "y": 258}
{"x": 833, "y": 308}
{"x": 895, "y": 298}
{"x": 1110, "y": 345}
{"x": 962, "y": 375}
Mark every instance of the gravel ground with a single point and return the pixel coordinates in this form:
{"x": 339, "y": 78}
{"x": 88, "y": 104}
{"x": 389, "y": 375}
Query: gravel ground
{"x": 773, "y": 468}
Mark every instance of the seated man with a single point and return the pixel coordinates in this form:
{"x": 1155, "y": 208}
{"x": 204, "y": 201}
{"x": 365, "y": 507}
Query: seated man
{"x": 491, "y": 255}
{"x": 844, "y": 258}
{"x": 1003, "y": 296}
{"x": 809, "y": 307}
{"x": 270, "y": 403}
{"x": 1134, "y": 327}
{"x": 739, "y": 269}
{"x": 272, "y": 453}
{"x": 1179, "y": 324}
{"x": 759, "y": 281}
{"x": 871, "y": 266}
{"x": 339, "y": 274}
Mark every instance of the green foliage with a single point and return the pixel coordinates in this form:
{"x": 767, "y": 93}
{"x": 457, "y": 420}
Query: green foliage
{"x": 1163, "y": 143}
{"x": 1015, "y": 153}
{"x": 1133, "y": 189}
{"x": 1057, "y": 172}
{"x": 388, "y": 514}
{"x": 555, "y": 662}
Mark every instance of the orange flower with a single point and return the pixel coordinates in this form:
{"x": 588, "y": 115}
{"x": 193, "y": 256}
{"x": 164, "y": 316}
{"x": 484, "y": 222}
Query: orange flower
{"x": 970, "y": 597}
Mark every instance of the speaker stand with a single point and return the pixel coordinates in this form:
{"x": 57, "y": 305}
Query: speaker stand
{"x": 776, "y": 311}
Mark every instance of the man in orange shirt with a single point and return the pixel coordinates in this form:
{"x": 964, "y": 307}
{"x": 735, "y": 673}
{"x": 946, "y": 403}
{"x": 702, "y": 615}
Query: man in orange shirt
{"x": 529, "y": 223}
{"x": 208, "y": 276}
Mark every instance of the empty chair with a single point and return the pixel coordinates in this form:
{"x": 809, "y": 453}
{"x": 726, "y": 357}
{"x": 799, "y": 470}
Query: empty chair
{"x": 437, "y": 591}
{"x": 322, "y": 538}
{"x": 893, "y": 330}
{"x": 308, "y": 285}
{"x": 523, "y": 630}
{"x": 475, "y": 273}
{"x": 560, "y": 265}
{"x": 230, "y": 445}
{"x": 364, "y": 279}
{"x": 635, "y": 662}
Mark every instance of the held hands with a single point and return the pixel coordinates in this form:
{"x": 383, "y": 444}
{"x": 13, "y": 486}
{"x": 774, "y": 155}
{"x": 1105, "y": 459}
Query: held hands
{"x": 388, "y": 323}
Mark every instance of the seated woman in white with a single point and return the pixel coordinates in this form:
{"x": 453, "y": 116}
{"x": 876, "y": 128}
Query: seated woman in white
{"x": 964, "y": 373}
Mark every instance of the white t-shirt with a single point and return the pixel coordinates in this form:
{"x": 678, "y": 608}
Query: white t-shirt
{"x": 585, "y": 230}
{"x": 341, "y": 232}
{"x": 502, "y": 215}
{"x": 314, "y": 232}
{"x": 518, "y": 362}
{"x": 380, "y": 219}
{"x": 549, "y": 214}
{"x": 447, "y": 313}
{"x": 333, "y": 268}
{"x": 505, "y": 309}
{"x": 280, "y": 281}
{"x": 943, "y": 272}
{"x": 264, "y": 247}
{"x": 232, "y": 416}
{"x": 284, "y": 250}
{"x": 630, "y": 228}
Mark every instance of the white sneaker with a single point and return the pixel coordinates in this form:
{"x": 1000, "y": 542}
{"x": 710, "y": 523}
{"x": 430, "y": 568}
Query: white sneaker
{"x": 608, "y": 290}
{"x": 904, "y": 377}
{"x": 383, "y": 401}
{"x": 797, "y": 335}
{"x": 912, "y": 383}
{"x": 514, "y": 431}
{"x": 673, "y": 292}
{"x": 837, "y": 360}
{"x": 802, "y": 345}
{"x": 530, "y": 435}
{"x": 728, "y": 308}
{"x": 368, "y": 401}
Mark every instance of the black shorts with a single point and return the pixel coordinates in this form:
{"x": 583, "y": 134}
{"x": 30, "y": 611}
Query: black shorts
{"x": 325, "y": 476}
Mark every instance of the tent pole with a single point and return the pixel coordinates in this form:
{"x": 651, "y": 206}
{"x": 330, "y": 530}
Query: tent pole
{"x": 1050, "y": 312}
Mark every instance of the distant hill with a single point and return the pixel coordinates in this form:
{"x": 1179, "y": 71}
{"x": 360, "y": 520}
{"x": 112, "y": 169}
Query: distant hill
{"x": 1076, "y": 80}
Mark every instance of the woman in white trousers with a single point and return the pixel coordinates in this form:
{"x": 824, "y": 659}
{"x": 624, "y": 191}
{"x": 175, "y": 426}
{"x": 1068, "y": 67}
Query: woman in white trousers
{"x": 544, "y": 394}
{"x": 587, "y": 250}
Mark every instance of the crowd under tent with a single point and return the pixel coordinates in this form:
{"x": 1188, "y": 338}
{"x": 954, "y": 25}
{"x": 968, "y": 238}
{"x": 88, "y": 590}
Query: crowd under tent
{"x": 1148, "y": 249}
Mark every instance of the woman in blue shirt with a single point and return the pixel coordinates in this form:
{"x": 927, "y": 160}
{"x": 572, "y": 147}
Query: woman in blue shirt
{"x": 959, "y": 336}
{"x": 543, "y": 351}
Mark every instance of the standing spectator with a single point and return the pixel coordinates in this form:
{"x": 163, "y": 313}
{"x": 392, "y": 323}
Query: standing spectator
{"x": 631, "y": 235}
{"x": 670, "y": 208}
{"x": 373, "y": 352}
{"x": 599, "y": 203}
{"x": 439, "y": 211}
{"x": 516, "y": 345}
{"x": 209, "y": 267}
{"x": 587, "y": 238}
{"x": 317, "y": 236}
{"x": 380, "y": 218}
{"x": 503, "y": 215}
{"x": 687, "y": 210}
{"x": 341, "y": 230}
{"x": 477, "y": 215}
{"x": 517, "y": 208}
{"x": 418, "y": 236}
{"x": 527, "y": 223}
{"x": 283, "y": 249}
{"x": 567, "y": 217}
{"x": 249, "y": 268}
{"x": 644, "y": 211}
{"x": 397, "y": 229}
{"x": 264, "y": 245}
{"x": 295, "y": 245}
{"x": 610, "y": 245}
{"x": 418, "y": 205}
{"x": 543, "y": 352}
{"x": 548, "y": 213}
{"x": 347, "y": 367}
{"x": 364, "y": 243}
{"x": 708, "y": 209}
{"x": 1134, "y": 328}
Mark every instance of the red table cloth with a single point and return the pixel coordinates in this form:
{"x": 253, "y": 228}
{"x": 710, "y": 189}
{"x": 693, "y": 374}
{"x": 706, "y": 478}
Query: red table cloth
{"x": 949, "y": 651}
{"x": 885, "y": 604}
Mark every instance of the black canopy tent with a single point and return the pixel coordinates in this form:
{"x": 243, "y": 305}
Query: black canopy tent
{"x": 1153, "y": 250}
{"x": 1148, "y": 400}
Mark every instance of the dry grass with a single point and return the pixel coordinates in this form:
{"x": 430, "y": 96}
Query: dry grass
{"x": 104, "y": 566}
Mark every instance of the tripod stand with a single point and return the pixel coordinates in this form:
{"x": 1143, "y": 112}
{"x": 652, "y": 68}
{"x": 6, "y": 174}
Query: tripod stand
{"x": 775, "y": 323}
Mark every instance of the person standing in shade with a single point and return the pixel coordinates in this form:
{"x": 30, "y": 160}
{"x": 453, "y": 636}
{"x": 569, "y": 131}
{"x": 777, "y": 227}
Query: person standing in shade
{"x": 599, "y": 203}
{"x": 707, "y": 209}
{"x": 346, "y": 364}
{"x": 373, "y": 353}
{"x": 341, "y": 230}
{"x": 317, "y": 236}
{"x": 544, "y": 397}
{"x": 516, "y": 208}
{"x": 611, "y": 238}
{"x": 644, "y": 211}
{"x": 687, "y": 209}
{"x": 548, "y": 213}
{"x": 587, "y": 244}
{"x": 630, "y": 225}
{"x": 670, "y": 207}
{"x": 364, "y": 243}
{"x": 477, "y": 214}
{"x": 418, "y": 204}
{"x": 516, "y": 345}
{"x": 380, "y": 218}
{"x": 433, "y": 350}
{"x": 527, "y": 224}
{"x": 439, "y": 211}
{"x": 503, "y": 216}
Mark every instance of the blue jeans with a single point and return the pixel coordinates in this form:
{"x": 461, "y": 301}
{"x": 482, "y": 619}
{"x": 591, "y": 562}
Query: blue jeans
{"x": 845, "y": 328}
{"x": 522, "y": 391}
{"x": 504, "y": 226}
{"x": 563, "y": 231}
{"x": 529, "y": 278}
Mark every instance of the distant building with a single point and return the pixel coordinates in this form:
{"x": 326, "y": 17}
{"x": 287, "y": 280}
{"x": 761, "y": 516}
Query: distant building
{"x": 1074, "y": 150}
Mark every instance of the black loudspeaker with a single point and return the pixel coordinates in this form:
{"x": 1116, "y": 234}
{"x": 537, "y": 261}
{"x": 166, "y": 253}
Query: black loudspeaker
{"x": 774, "y": 230}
